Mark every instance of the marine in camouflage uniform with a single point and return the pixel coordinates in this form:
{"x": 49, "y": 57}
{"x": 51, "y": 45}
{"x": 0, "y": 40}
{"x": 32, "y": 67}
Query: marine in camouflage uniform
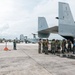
{"x": 69, "y": 45}
{"x": 39, "y": 46}
{"x": 63, "y": 46}
{"x": 43, "y": 46}
{"x": 58, "y": 46}
{"x": 46, "y": 46}
{"x": 53, "y": 46}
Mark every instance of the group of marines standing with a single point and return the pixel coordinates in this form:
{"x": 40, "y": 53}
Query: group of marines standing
{"x": 56, "y": 46}
{"x": 43, "y": 45}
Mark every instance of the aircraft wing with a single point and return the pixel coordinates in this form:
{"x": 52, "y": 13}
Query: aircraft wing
{"x": 46, "y": 32}
{"x": 50, "y": 30}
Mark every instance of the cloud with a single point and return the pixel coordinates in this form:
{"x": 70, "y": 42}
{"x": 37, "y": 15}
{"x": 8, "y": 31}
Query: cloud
{"x": 22, "y": 15}
{"x": 4, "y": 28}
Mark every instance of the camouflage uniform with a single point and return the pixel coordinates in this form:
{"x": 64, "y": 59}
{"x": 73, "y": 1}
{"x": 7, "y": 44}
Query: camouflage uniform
{"x": 46, "y": 46}
{"x": 53, "y": 46}
{"x": 63, "y": 46}
{"x": 69, "y": 45}
{"x": 39, "y": 49}
{"x": 58, "y": 45}
{"x": 43, "y": 46}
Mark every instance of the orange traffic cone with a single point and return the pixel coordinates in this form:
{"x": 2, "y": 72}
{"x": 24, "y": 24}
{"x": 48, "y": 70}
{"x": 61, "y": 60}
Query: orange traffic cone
{"x": 6, "y": 49}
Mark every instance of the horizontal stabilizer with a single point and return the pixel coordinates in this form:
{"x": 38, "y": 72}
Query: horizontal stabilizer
{"x": 50, "y": 30}
{"x": 46, "y": 32}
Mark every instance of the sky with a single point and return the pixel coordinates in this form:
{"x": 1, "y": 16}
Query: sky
{"x": 21, "y": 16}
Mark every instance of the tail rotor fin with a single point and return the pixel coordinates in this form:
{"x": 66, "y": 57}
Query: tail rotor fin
{"x": 65, "y": 15}
{"x": 42, "y": 24}
{"x": 66, "y": 21}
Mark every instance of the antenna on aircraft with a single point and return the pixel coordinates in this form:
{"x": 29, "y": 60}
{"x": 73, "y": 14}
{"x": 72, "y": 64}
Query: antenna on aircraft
{"x": 57, "y": 17}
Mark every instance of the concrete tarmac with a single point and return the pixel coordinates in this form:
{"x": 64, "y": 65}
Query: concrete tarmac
{"x": 26, "y": 61}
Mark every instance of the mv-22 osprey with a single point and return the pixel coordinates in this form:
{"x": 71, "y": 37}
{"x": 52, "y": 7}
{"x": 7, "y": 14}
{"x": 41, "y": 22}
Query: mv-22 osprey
{"x": 66, "y": 24}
